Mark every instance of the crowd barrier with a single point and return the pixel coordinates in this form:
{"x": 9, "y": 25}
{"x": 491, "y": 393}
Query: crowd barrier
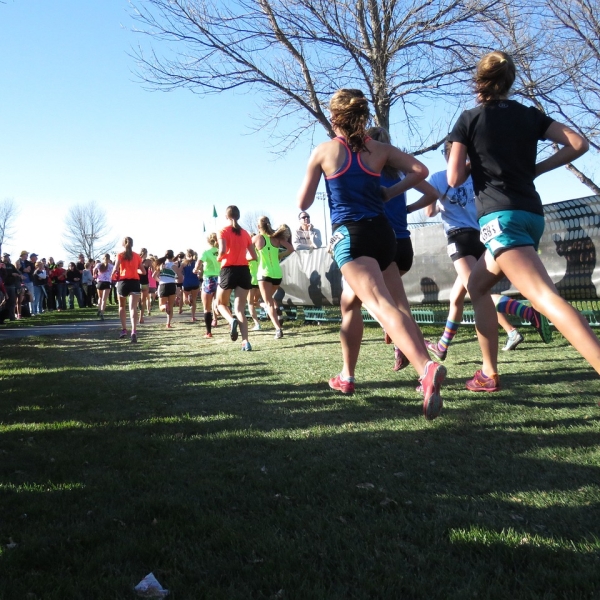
{"x": 312, "y": 280}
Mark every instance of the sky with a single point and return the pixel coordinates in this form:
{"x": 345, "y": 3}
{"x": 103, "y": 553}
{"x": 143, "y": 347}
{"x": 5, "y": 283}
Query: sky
{"x": 76, "y": 125}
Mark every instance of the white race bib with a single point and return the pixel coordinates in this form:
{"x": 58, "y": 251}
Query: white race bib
{"x": 336, "y": 238}
{"x": 490, "y": 231}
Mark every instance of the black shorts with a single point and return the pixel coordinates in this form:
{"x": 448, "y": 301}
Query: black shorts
{"x": 404, "y": 254}
{"x": 254, "y": 287}
{"x": 128, "y": 286}
{"x": 374, "y": 238}
{"x": 167, "y": 289}
{"x": 190, "y": 288}
{"x": 464, "y": 242}
{"x": 180, "y": 285}
{"x": 272, "y": 280}
{"x": 103, "y": 285}
{"x": 232, "y": 277}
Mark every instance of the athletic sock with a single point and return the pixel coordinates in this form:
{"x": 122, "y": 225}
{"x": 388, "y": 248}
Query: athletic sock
{"x": 508, "y": 306}
{"x": 449, "y": 333}
{"x": 208, "y": 316}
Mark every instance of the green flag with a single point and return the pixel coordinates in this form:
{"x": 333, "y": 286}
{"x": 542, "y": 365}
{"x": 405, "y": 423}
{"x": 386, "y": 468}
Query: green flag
{"x": 214, "y": 212}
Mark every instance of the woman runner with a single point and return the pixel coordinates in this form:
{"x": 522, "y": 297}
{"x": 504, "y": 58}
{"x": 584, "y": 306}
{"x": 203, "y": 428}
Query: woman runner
{"x": 499, "y": 137}
{"x": 235, "y": 248}
{"x": 128, "y": 266}
{"x": 168, "y": 272}
{"x": 363, "y": 243}
{"x": 191, "y": 281}
{"x": 208, "y": 268}
{"x": 269, "y": 270}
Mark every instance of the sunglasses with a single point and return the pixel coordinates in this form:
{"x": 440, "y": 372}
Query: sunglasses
{"x": 305, "y": 217}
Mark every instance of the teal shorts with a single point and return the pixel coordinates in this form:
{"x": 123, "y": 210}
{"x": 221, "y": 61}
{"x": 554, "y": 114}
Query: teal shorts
{"x": 508, "y": 229}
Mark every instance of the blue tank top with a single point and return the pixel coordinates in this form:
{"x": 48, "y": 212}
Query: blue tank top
{"x": 189, "y": 279}
{"x": 353, "y": 192}
{"x": 395, "y": 209}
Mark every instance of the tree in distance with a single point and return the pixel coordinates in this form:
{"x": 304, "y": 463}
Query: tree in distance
{"x": 87, "y": 232}
{"x": 9, "y": 211}
{"x": 249, "y": 220}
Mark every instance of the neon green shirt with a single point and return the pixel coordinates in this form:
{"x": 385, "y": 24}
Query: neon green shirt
{"x": 268, "y": 260}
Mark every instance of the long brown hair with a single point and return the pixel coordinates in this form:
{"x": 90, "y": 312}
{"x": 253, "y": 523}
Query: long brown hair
{"x": 158, "y": 262}
{"x": 233, "y": 214}
{"x": 350, "y": 114}
{"x": 128, "y": 245}
{"x": 264, "y": 226}
{"x": 494, "y": 76}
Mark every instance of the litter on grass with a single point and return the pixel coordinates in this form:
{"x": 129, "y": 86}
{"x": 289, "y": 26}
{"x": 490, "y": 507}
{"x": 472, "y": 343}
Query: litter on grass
{"x": 150, "y": 588}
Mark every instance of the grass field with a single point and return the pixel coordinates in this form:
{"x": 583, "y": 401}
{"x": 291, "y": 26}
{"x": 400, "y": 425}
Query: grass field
{"x": 241, "y": 475}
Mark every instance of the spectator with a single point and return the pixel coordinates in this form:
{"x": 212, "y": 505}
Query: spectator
{"x": 39, "y": 277}
{"x": 74, "y": 285}
{"x": 11, "y": 279}
{"x": 59, "y": 285}
{"x": 87, "y": 283}
{"x": 306, "y": 237}
{"x": 26, "y": 268}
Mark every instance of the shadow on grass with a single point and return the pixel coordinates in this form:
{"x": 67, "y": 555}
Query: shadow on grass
{"x": 231, "y": 482}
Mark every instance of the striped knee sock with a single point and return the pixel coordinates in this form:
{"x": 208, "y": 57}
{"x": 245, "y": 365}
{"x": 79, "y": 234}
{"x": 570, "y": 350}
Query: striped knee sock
{"x": 449, "y": 333}
{"x": 508, "y": 306}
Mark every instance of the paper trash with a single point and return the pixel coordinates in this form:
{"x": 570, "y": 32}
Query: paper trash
{"x": 150, "y": 588}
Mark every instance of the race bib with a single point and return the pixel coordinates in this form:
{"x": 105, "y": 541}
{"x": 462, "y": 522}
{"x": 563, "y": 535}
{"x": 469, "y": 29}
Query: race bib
{"x": 336, "y": 238}
{"x": 451, "y": 249}
{"x": 490, "y": 231}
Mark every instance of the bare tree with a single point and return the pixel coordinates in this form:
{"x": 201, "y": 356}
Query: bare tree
{"x": 9, "y": 211}
{"x": 405, "y": 54}
{"x": 250, "y": 218}
{"x": 87, "y": 231}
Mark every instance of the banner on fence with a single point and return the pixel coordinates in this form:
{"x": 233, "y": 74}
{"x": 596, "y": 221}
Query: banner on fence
{"x": 567, "y": 249}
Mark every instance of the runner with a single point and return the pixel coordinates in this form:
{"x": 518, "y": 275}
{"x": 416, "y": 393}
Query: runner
{"x": 459, "y": 216}
{"x": 168, "y": 272}
{"x": 499, "y": 137}
{"x": 235, "y": 249}
{"x": 145, "y": 284}
{"x": 191, "y": 281}
{"x": 103, "y": 276}
{"x": 268, "y": 249}
{"x": 208, "y": 268}
{"x": 128, "y": 267}
{"x": 363, "y": 243}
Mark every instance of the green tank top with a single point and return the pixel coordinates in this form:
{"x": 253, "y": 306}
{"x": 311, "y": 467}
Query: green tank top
{"x": 268, "y": 260}
{"x": 212, "y": 268}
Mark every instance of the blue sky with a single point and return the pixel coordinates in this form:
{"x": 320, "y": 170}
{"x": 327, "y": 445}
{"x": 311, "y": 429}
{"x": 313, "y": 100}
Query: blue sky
{"x": 76, "y": 126}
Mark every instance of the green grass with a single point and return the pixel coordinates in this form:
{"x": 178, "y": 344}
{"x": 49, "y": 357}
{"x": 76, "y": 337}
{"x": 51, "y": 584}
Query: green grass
{"x": 241, "y": 475}
{"x": 58, "y": 318}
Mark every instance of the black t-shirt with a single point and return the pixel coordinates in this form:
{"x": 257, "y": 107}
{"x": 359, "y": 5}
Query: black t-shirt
{"x": 501, "y": 139}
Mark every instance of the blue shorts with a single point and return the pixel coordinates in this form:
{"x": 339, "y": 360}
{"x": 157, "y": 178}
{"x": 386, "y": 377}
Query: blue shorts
{"x": 209, "y": 284}
{"x": 373, "y": 237}
{"x": 508, "y": 229}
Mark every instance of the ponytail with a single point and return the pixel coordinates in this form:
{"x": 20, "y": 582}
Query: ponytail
{"x": 128, "y": 245}
{"x": 233, "y": 214}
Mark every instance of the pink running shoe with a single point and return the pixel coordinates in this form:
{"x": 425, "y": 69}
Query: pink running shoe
{"x": 483, "y": 383}
{"x": 400, "y": 361}
{"x": 342, "y": 385}
{"x": 431, "y": 383}
{"x": 434, "y": 348}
